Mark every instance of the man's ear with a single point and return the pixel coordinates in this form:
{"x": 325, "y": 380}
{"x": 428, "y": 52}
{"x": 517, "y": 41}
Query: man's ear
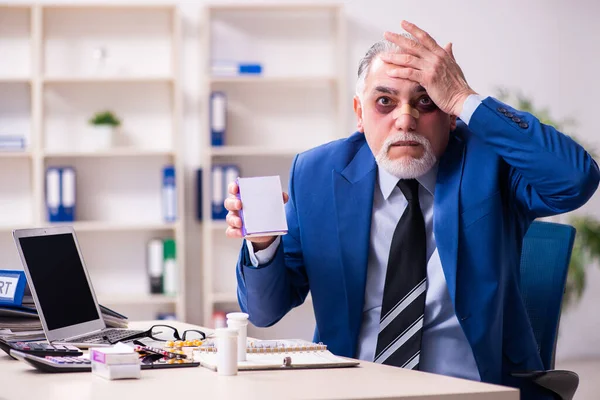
{"x": 452, "y": 122}
{"x": 358, "y": 110}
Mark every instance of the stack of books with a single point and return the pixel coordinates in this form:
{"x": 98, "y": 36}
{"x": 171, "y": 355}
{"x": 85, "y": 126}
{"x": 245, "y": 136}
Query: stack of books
{"x": 21, "y": 323}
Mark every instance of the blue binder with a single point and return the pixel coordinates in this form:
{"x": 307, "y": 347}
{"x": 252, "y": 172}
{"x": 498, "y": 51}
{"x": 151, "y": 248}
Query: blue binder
{"x": 218, "y": 118}
{"x": 199, "y": 194}
{"x": 169, "y": 194}
{"x": 68, "y": 193}
{"x": 60, "y": 194}
{"x": 222, "y": 176}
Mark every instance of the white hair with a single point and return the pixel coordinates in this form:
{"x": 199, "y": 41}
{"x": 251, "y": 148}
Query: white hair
{"x": 383, "y": 46}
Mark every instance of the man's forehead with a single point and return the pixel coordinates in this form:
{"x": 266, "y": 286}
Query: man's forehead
{"x": 377, "y": 79}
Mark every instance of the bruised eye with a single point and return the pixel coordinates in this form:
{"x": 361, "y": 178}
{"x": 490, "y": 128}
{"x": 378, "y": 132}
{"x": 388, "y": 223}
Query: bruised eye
{"x": 384, "y": 104}
{"x": 425, "y": 104}
{"x": 425, "y": 101}
{"x": 384, "y": 101}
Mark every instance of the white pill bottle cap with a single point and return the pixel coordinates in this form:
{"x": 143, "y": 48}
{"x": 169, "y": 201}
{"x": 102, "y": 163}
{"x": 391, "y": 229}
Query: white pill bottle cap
{"x": 238, "y": 317}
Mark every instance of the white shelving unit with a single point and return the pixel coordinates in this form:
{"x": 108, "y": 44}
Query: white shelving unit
{"x": 53, "y": 84}
{"x": 295, "y": 104}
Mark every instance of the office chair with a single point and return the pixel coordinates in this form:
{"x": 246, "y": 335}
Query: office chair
{"x": 544, "y": 264}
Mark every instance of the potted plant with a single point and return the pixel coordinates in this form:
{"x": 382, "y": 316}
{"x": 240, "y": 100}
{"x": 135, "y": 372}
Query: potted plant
{"x": 104, "y": 124}
{"x": 586, "y": 249}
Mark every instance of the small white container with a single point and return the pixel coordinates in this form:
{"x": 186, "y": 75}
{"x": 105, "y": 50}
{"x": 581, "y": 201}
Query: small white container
{"x": 227, "y": 343}
{"x": 99, "y": 137}
{"x": 239, "y": 321}
{"x": 123, "y": 371}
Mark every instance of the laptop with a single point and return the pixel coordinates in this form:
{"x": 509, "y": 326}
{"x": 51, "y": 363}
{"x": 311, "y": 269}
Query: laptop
{"x": 62, "y": 290}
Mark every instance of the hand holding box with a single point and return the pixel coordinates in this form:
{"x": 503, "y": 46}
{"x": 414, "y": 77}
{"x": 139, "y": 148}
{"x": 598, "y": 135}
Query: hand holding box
{"x": 263, "y": 211}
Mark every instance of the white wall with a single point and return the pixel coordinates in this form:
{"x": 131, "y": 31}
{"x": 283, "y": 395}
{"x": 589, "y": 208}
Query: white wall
{"x": 547, "y": 48}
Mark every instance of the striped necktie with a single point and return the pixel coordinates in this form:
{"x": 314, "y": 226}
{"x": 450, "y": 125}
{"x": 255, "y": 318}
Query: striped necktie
{"x": 401, "y": 323}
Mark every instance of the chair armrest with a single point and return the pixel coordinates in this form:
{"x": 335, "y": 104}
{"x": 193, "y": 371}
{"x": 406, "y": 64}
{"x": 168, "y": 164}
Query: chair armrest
{"x": 562, "y": 383}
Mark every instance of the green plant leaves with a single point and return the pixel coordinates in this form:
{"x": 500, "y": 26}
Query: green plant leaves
{"x": 105, "y": 118}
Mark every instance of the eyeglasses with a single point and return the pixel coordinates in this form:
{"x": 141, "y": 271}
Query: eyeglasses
{"x": 164, "y": 333}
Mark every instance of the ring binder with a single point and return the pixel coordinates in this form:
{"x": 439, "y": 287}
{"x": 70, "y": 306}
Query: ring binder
{"x": 266, "y": 354}
{"x": 253, "y": 349}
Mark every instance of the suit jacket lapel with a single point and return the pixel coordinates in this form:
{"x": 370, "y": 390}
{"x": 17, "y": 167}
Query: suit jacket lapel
{"x": 353, "y": 193}
{"x": 446, "y": 201}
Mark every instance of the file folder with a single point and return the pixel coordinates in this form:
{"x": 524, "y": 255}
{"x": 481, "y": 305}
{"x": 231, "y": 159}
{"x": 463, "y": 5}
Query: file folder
{"x": 60, "y": 194}
{"x": 53, "y": 194}
{"x": 218, "y": 118}
{"x": 169, "y": 194}
{"x": 232, "y": 173}
{"x": 155, "y": 265}
{"x": 217, "y": 199}
{"x": 199, "y": 194}
{"x": 68, "y": 194}
{"x": 170, "y": 268}
{"x": 222, "y": 176}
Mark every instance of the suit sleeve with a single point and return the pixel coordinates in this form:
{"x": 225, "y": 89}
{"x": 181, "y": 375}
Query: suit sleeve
{"x": 549, "y": 173}
{"x": 269, "y": 291}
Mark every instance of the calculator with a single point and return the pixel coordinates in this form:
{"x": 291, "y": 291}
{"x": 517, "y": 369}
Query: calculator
{"x": 83, "y": 363}
{"x": 40, "y": 349}
{"x": 55, "y": 363}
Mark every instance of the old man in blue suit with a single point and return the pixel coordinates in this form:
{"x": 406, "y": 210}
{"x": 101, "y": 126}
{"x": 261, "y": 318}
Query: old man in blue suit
{"x": 408, "y": 233}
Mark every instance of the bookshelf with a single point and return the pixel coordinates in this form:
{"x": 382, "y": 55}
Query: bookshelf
{"x": 68, "y": 62}
{"x": 296, "y": 103}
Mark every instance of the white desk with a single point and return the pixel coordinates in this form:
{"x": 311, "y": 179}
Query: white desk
{"x": 19, "y": 381}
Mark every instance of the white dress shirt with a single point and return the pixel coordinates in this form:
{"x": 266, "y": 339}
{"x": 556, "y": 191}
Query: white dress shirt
{"x": 444, "y": 347}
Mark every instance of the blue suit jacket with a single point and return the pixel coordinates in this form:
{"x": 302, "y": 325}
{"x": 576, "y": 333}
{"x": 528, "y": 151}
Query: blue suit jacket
{"x": 494, "y": 179}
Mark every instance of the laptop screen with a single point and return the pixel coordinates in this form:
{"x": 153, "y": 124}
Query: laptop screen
{"x": 59, "y": 280}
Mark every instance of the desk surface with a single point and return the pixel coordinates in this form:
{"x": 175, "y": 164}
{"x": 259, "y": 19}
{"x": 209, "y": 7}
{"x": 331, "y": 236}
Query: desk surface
{"x": 368, "y": 381}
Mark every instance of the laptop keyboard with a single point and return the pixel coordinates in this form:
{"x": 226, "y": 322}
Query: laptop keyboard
{"x": 113, "y": 335}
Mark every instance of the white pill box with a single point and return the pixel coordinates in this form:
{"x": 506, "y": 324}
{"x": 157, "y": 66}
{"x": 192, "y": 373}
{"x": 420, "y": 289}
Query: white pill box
{"x": 123, "y": 371}
{"x": 263, "y": 211}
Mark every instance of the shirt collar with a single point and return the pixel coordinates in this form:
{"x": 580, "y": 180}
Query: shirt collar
{"x": 387, "y": 181}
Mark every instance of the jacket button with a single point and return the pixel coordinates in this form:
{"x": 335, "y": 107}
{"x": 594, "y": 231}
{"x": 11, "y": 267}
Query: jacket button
{"x": 501, "y": 109}
{"x": 516, "y": 119}
{"x": 524, "y": 125}
{"x": 509, "y": 114}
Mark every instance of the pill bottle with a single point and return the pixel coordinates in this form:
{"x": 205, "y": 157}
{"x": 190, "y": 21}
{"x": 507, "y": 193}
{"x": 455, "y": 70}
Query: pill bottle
{"x": 227, "y": 343}
{"x": 239, "y": 321}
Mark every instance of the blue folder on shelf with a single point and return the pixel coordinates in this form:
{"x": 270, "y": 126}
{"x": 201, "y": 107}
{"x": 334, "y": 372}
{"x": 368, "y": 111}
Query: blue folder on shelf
{"x": 222, "y": 176}
{"x": 60, "y": 194}
{"x": 199, "y": 194}
{"x": 218, "y": 118}
{"x": 169, "y": 194}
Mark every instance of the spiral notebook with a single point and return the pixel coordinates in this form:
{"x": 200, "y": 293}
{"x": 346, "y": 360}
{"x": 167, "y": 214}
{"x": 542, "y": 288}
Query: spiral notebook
{"x": 278, "y": 354}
